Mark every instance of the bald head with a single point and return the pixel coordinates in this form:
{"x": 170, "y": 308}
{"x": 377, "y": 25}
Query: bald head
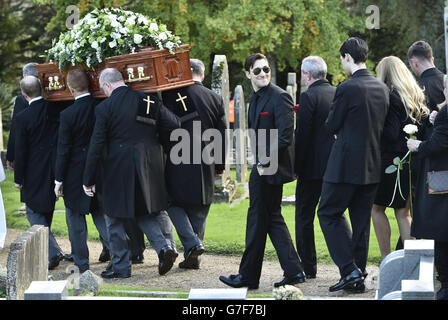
{"x": 30, "y": 87}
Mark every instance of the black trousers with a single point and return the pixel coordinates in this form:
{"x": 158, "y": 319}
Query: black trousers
{"x": 441, "y": 261}
{"x": 264, "y": 218}
{"x": 348, "y": 248}
{"x": 136, "y": 240}
{"x": 307, "y": 198}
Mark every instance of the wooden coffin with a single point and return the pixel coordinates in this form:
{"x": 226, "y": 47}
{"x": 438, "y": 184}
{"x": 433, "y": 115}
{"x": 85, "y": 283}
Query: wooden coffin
{"x": 148, "y": 70}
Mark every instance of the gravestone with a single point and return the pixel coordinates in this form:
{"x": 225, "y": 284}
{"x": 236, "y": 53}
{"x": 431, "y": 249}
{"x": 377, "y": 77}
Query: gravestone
{"x": 408, "y": 273}
{"x": 47, "y": 290}
{"x": 291, "y": 88}
{"x": 225, "y": 187}
{"x": 218, "y": 294}
{"x": 240, "y": 135}
{"x": 27, "y": 261}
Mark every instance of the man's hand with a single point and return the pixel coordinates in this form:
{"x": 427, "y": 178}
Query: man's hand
{"x": 58, "y": 190}
{"x": 90, "y": 191}
{"x": 10, "y": 165}
{"x": 432, "y": 117}
{"x": 18, "y": 186}
{"x": 413, "y": 145}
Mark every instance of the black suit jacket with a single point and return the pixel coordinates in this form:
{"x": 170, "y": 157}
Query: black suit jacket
{"x": 431, "y": 81}
{"x": 313, "y": 142}
{"x": 131, "y": 138}
{"x": 274, "y": 110}
{"x": 36, "y": 130}
{"x": 357, "y": 116}
{"x": 19, "y": 105}
{"x": 194, "y": 183}
{"x": 75, "y": 130}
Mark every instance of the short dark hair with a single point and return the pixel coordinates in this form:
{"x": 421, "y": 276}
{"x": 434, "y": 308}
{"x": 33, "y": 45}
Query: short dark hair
{"x": 357, "y": 48}
{"x": 77, "y": 79}
{"x": 250, "y": 60}
{"x": 421, "y": 50}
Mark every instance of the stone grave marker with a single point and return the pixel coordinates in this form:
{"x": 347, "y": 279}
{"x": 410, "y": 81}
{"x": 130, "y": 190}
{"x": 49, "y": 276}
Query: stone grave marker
{"x": 225, "y": 187}
{"x": 27, "y": 261}
{"x": 240, "y": 135}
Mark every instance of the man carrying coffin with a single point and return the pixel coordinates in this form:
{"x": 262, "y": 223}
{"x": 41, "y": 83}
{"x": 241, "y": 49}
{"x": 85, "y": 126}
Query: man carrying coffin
{"x": 191, "y": 185}
{"x": 75, "y": 130}
{"x": 36, "y": 130}
{"x": 127, "y": 124}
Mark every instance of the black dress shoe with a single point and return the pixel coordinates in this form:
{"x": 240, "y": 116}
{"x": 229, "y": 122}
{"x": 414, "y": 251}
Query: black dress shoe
{"x": 298, "y": 278}
{"x": 352, "y": 279}
{"x": 191, "y": 260}
{"x": 237, "y": 281}
{"x": 167, "y": 256}
{"x": 138, "y": 259}
{"x": 105, "y": 255}
{"x": 310, "y": 276}
{"x": 54, "y": 262}
{"x": 69, "y": 257}
{"x": 358, "y": 287}
{"x": 109, "y": 274}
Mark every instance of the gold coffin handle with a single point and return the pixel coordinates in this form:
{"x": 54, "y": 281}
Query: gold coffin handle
{"x": 141, "y": 75}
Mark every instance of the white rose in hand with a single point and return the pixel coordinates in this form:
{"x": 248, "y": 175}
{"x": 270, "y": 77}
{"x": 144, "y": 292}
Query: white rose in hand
{"x": 410, "y": 129}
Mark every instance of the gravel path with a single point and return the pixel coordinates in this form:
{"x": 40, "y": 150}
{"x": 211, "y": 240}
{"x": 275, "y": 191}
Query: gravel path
{"x": 146, "y": 275}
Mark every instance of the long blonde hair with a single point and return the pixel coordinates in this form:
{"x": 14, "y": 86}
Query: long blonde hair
{"x": 394, "y": 73}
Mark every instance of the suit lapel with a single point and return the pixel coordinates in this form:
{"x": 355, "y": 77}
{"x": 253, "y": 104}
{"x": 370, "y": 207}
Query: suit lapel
{"x": 260, "y": 107}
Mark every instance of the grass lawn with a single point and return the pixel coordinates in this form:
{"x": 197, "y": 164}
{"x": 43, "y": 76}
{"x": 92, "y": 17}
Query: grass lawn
{"x": 226, "y": 225}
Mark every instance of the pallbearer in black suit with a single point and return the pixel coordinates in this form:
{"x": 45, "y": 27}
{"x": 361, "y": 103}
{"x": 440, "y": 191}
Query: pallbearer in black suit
{"x": 127, "y": 124}
{"x": 407, "y": 106}
{"x": 75, "y": 130}
{"x": 271, "y": 111}
{"x": 312, "y": 147}
{"x": 353, "y": 172}
{"x": 19, "y": 105}
{"x": 191, "y": 185}
{"x": 36, "y": 130}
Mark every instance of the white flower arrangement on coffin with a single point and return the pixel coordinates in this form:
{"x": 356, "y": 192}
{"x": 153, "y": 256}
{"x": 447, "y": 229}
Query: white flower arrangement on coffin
{"x": 287, "y": 292}
{"x": 109, "y": 32}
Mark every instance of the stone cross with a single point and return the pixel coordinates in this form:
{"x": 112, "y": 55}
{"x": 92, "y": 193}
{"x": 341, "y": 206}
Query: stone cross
{"x": 220, "y": 85}
{"x": 240, "y": 129}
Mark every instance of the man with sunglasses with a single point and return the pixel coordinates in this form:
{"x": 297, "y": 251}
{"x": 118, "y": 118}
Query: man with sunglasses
{"x": 271, "y": 108}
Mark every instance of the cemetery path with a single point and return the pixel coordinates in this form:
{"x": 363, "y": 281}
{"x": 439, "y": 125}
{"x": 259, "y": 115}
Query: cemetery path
{"x": 146, "y": 275}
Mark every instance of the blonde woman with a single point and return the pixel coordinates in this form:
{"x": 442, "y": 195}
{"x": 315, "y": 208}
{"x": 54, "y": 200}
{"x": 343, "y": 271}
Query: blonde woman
{"x": 406, "y": 107}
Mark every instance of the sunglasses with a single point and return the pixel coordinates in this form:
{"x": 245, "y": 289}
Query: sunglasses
{"x": 265, "y": 69}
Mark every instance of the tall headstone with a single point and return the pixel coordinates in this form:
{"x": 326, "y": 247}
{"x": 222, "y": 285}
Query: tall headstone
{"x": 27, "y": 261}
{"x": 225, "y": 187}
{"x": 240, "y": 135}
{"x": 445, "y": 23}
{"x": 292, "y": 90}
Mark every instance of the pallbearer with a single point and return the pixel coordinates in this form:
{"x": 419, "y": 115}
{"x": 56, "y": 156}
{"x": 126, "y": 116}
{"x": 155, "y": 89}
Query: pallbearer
{"x": 191, "y": 185}
{"x": 134, "y": 183}
{"x": 75, "y": 130}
